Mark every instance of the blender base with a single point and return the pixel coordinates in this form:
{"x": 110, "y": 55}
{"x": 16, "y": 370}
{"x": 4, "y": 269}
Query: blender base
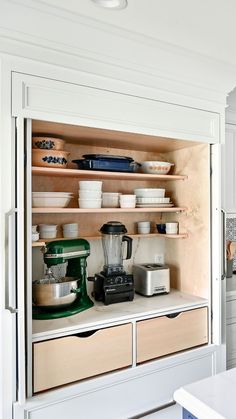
{"x": 77, "y": 306}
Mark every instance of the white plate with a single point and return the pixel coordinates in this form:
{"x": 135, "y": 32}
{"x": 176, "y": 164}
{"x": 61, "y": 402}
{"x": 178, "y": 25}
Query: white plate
{"x": 153, "y": 200}
{"x": 154, "y": 205}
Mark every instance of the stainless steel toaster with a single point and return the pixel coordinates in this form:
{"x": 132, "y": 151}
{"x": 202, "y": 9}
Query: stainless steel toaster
{"x": 151, "y": 279}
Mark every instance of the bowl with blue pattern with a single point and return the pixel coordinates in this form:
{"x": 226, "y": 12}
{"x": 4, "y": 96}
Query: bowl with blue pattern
{"x": 48, "y": 143}
{"x": 50, "y": 158}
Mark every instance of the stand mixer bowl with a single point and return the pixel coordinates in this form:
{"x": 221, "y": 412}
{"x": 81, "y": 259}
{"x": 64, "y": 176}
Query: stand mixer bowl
{"x": 58, "y": 294}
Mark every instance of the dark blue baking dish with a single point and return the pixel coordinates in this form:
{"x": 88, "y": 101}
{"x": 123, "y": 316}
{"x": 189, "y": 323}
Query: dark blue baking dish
{"x": 107, "y": 163}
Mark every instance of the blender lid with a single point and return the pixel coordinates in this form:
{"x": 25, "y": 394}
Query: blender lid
{"x": 113, "y": 227}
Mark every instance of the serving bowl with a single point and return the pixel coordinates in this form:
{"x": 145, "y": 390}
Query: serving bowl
{"x": 156, "y": 167}
{"x": 149, "y": 193}
{"x": 49, "y": 158}
{"x": 48, "y": 143}
{"x": 51, "y": 199}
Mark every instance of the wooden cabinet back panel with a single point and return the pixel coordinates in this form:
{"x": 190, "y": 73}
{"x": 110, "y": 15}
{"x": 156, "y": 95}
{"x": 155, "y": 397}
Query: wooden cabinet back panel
{"x": 73, "y": 358}
{"x": 163, "y": 335}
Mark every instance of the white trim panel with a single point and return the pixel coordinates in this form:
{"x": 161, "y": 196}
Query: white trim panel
{"x": 35, "y": 97}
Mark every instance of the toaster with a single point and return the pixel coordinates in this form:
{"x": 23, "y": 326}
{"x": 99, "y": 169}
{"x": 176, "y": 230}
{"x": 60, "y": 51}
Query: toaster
{"x": 151, "y": 279}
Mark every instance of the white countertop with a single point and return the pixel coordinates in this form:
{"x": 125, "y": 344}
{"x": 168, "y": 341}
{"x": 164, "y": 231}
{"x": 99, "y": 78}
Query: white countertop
{"x": 211, "y": 398}
{"x": 100, "y": 315}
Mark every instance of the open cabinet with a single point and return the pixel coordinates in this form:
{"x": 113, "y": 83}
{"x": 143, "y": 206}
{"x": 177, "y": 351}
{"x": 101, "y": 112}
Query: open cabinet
{"x": 157, "y": 343}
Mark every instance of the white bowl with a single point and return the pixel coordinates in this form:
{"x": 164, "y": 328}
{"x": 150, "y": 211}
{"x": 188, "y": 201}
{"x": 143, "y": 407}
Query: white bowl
{"x": 110, "y": 199}
{"x": 48, "y": 231}
{"x": 90, "y": 194}
{"x": 51, "y": 202}
{"x": 90, "y": 185}
{"x": 127, "y": 201}
{"x": 156, "y": 167}
{"x": 51, "y": 194}
{"x": 47, "y": 227}
{"x": 90, "y": 203}
{"x": 70, "y": 234}
{"x": 149, "y": 193}
{"x": 71, "y": 226}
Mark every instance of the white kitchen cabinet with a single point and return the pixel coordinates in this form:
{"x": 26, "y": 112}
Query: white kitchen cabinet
{"x": 122, "y": 395}
{"x": 102, "y": 119}
{"x": 229, "y": 170}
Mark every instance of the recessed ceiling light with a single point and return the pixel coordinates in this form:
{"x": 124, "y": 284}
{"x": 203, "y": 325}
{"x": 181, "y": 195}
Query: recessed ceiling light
{"x": 111, "y": 4}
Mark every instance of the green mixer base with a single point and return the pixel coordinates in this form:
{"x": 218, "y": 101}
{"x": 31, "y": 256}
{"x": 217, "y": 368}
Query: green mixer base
{"x": 76, "y": 307}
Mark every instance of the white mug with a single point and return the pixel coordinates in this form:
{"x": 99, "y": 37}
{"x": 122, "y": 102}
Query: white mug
{"x": 172, "y": 228}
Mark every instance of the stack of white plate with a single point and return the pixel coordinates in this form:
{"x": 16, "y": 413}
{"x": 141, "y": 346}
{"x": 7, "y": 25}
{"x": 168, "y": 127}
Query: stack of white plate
{"x": 90, "y": 194}
{"x": 51, "y": 199}
{"x": 152, "y": 198}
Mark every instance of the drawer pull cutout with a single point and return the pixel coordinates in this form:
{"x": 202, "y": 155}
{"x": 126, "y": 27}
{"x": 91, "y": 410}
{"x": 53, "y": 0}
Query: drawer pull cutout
{"x": 173, "y": 315}
{"x": 86, "y": 334}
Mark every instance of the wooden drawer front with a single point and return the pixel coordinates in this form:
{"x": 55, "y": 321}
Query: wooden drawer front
{"x": 165, "y": 335}
{"x": 72, "y": 358}
{"x": 231, "y": 310}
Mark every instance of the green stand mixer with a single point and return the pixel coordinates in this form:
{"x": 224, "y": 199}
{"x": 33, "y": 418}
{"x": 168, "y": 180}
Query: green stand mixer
{"x": 64, "y": 297}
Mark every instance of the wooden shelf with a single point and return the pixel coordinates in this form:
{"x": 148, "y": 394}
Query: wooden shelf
{"x": 103, "y": 210}
{"x": 90, "y": 174}
{"x": 41, "y": 243}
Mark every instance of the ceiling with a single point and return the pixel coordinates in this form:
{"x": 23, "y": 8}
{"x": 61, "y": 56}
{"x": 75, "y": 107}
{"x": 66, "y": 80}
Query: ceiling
{"x": 204, "y": 26}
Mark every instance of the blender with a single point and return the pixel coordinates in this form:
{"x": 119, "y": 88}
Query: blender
{"x": 113, "y": 284}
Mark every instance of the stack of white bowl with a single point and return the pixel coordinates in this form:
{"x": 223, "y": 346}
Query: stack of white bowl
{"x": 90, "y": 194}
{"x": 71, "y": 231}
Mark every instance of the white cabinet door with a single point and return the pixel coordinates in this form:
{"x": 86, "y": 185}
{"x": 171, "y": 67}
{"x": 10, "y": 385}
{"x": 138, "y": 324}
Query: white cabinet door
{"x": 229, "y": 170}
{"x": 40, "y": 98}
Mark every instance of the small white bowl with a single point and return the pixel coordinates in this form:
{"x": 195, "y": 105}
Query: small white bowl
{"x": 90, "y": 203}
{"x": 89, "y": 194}
{"x": 70, "y": 226}
{"x": 127, "y": 201}
{"x": 110, "y": 199}
{"x": 144, "y": 230}
{"x": 48, "y": 231}
{"x": 70, "y": 234}
{"x": 149, "y": 193}
{"x": 90, "y": 185}
{"x": 47, "y": 227}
